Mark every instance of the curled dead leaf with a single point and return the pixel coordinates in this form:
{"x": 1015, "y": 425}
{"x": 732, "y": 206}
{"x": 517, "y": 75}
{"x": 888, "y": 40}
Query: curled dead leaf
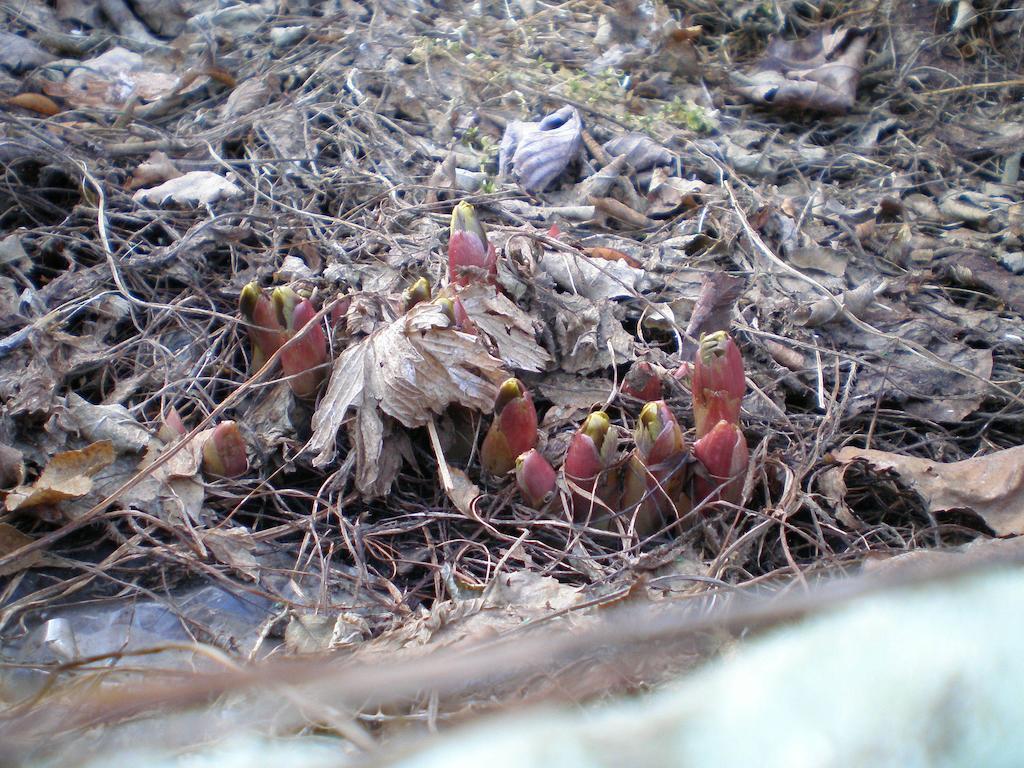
{"x": 68, "y": 475}
{"x": 410, "y": 370}
{"x": 820, "y": 72}
{"x": 991, "y": 487}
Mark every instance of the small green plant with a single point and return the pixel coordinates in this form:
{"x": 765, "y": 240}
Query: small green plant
{"x": 604, "y": 88}
{"x": 688, "y": 115}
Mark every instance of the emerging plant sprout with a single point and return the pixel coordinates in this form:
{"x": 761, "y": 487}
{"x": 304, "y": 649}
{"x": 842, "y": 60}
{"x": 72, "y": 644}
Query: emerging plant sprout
{"x": 654, "y": 476}
{"x": 535, "y": 478}
{"x": 266, "y": 333}
{"x": 723, "y": 452}
{"x": 471, "y": 258}
{"x": 718, "y": 382}
{"x": 304, "y": 360}
{"x": 590, "y": 453}
{"x": 418, "y": 292}
{"x": 513, "y": 431}
{"x": 224, "y": 451}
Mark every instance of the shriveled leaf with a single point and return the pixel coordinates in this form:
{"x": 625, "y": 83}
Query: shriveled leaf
{"x": 233, "y": 547}
{"x": 155, "y": 169}
{"x": 641, "y": 151}
{"x": 572, "y": 397}
{"x": 512, "y": 330}
{"x": 928, "y": 389}
{"x": 319, "y": 633}
{"x": 34, "y": 102}
{"x": 464, "y": 491}
{"x": 11, "y": 540}
{"x": 536, "y": 153}
{"x": 713, "y": 310}
{"x": 595, "y": 278}
{"x": 589, "y": 335}
{"x": 193, "y": 189}
{"x": 111, "y": 79}
{"x": 512, "y": 601}
{"x": 309, "y": 633}
{"x": 410, "y": 370}
{"x": 819, "y": 73}
{"x": 105, "y": 422}
{"x": 670, "y": 193}
{"x": 250, "y": 95}
{"x": 991, "y": 487}
{"x": 172, "y": 491}
{"x": 19, "y": 54}
{"x": 68, "y": 475}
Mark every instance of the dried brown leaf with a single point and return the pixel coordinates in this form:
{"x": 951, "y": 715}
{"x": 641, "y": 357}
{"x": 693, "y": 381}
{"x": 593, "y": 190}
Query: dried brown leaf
{"x": 12, "y": 466}
{"x": 233, "y": 547}
{"x": 589, "y": 335}
{"x": 512, "y": 330}
{"x": 463, "y": 493}
{"x": 820, "y": 72}
{"x": 68, "y": 475}
{"x": 157, "y": 169}
{"x": 410, "y": 370}
{"x": 11, "y": 540}
{"x": 991, "y": 487}
{"x": 713, "y": 310}
{"x": 34, "y": 102}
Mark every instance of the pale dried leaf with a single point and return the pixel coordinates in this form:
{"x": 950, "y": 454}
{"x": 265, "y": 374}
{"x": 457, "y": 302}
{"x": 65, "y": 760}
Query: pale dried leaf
{"x": 464, "y": 492}
{"x": 68, "y": 475}
{"x": 318, "y": 633}
{"x": 820, "y": 72}
{"x": 584, "y": 331}
{"x": 512, "y": 330}
{"x": 667, "y": 194}
{"x": 193, "y": 189}
{"x": 233, "y": 547}
{"x": 156, "y": 169}
{"x": 105, "y": 422}
{"x": 12, "y": 466}
{"x": 111, "y": 79}
{"x": 19, "y": 54}
{"x": 309, "y": 633}
{"x": 641, "y": 151}
{"x": 990, "y": 486}
{"x": 411, "y": 370}
{"x": 248, "y": 96}
{"x": 513, "y": 601}
{"x": 536, "y": 153}
{"x": 596, "y": 279}
{"x": 572, "y": 397}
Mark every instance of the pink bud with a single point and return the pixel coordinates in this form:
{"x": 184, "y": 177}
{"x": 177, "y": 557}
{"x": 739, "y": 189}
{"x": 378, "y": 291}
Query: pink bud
{"x": 718, "y": 382}
{"x": 456, "y": 313}
{"x": 304, "y": 359}
{"x": 723, "y": 452}
{"x": 224, "y": 451}
{"x": 513, "y": 431}
{"x": 470, "y": 257}
{"x": 266, "y": 333}
{"x": 654, "y": 476}
{"x": 590, "y": 453}
{"x": 535, "y": 478}
{"x": 173, "y": 427}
